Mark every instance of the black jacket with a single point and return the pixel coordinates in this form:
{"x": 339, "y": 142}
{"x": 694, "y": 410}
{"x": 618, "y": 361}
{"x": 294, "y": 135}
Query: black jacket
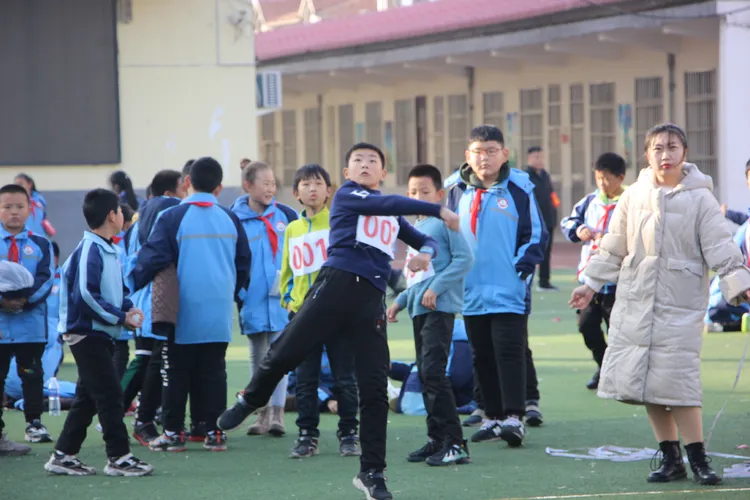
{"x": 543, "y": 192}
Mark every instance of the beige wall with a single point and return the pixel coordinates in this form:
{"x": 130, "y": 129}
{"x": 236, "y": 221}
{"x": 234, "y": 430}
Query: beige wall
{"x": 187, "y": 89}
{"x": 696, "y": 56}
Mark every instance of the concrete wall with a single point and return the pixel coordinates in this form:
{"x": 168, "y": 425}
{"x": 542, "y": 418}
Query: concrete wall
{"x": 187, "y": 89}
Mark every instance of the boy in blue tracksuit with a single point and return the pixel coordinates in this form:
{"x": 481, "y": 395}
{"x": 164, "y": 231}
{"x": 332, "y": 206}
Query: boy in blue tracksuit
{"x": 501, "y": 221}
{"x": 587, "y": 224}
{"x": 433, "y": 298}
{"x": 262, "y": 318}
{"x": 93, "y": 311}
{"x": 197, "y": 234}
{"x": 347, "y": 300}
{"x": 23, "y": 314}
{"x": 720, "y": 315}
{"x": 122, "y": 344}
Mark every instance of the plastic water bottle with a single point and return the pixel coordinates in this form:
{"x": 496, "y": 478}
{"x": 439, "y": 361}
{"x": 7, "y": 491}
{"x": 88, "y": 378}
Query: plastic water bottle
{"x": 54, "y": 397}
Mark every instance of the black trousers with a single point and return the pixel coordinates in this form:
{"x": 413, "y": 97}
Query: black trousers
{"x": 120, "y": 357}
{"x": 98, "y": 392}
{"x": 197, "y": 369}
{"x": 532, "y": 383}
{"x": 349, "y": 308}
{"x": 590, "y": 324}
{"x": 150, "y": 398}
{"x": 341, "y": 360}
{"x": 132, "y": 379}
{"x": 499, "y": 344}
{"x": 433, "y": 334}
{"x": 29, "y": 369}
{"x": 544, "y": 266}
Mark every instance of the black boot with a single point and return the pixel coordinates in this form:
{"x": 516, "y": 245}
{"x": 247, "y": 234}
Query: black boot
{"x": 671, "y": 467}
{"x": 702, "y": 472}
{"x": 593, "y": 384}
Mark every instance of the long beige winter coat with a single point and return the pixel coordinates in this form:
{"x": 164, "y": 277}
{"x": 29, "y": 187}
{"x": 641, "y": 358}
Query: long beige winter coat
{"x": 658, "y": 250}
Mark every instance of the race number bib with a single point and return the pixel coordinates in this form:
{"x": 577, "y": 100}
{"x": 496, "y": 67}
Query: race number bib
{"x": 308, "y": 252}
{"x": 412, "y": 277}
{"x": 379, "y": 232}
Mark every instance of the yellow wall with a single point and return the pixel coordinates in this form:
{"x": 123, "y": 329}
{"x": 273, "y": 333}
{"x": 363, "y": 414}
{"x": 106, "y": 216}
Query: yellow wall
{"x": 187, "y": 89}
{"x": 696, "y": 56}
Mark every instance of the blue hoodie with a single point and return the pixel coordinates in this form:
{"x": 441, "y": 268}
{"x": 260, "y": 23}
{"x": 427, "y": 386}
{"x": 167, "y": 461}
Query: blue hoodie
{"x": 261, "y": 308}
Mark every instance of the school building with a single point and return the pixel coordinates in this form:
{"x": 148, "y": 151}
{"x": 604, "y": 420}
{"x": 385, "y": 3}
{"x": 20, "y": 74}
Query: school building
{"x": 576, "y": 77}
{"x": 92, "y": 86}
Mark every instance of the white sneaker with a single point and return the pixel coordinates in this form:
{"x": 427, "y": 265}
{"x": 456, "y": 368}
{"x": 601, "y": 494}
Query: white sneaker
{"x": 127, "y": 466}
{"x": 67, "y": 465}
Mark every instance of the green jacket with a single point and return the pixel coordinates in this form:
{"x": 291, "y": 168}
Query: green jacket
{"x": 305, "y": 251}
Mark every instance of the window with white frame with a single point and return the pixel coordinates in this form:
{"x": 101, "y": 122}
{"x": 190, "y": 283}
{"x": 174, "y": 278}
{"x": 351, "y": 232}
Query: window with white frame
{"x": 579, "y": 166}
{"x": 346, "y": 129}
{"x": 374, "y": 123}
{"x": 405, "y": 132}
{"x": 493, "y": 109}
{"x": 603, "y": 126}
{"x": 532, "y": 121}
{"x": 438, "y": 134}
{"x": 289, "y": 145}
{"x": 313, "y": 153}
{"x": 458, "y": 129}
{"x": 554, "y": 122}
{"x": 700, "y": 120}
{"x": 649, "y": 110}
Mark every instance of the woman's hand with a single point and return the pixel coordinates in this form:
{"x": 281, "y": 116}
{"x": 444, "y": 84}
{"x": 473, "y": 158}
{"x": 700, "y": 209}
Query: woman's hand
{"x": 581, "y": 297}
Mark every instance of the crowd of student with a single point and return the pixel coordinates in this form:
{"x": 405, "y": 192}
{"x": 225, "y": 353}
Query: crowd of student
{"x": 309, "y": 290}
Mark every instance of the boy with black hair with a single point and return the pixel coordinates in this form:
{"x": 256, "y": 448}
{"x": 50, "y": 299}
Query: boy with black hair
{"x": 93, "y": 311}
{"x": 587, "y": 224}
{"x": 501, "y": 221}
{"x": 548, "y": 202}
{"x": 347, "y": 301}
{"x": 185, "y": 236}
{"x": 433, "y": 298}
{"x": 305, "y": 252}
{"x": 23, "y": 313}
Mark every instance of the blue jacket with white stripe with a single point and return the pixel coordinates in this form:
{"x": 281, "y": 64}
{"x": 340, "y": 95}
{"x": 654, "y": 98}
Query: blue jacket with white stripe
{"x": 93, "y": 298}
{"x": 208, "y": 246}
{"x": 35, "y": 254}
{"x": 510, "y": 240}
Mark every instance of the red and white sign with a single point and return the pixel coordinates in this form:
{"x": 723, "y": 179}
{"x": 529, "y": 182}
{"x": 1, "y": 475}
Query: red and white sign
{"x": 308, "y": 252}
{"x": 414, "y": 277}
{"x": 379, "y": 232}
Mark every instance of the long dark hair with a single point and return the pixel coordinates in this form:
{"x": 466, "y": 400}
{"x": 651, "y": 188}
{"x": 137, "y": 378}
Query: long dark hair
{"x": 121, "y": 180}
{"x": 28, "y": 179}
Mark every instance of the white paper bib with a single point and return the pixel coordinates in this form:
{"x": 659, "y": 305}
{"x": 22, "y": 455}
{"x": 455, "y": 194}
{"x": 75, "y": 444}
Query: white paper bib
{"x": 308, "y": 253}
{"x": 379, "y": 232}
{"x": 412, "y": 277}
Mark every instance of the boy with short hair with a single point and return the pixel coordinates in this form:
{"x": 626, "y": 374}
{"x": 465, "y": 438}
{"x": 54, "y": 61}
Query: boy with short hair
{"x": 93, "y": 311}
{"x": 433, "y": 298}
{"x": 501, "y": 221}
{"x": 305, "y": 252}
{"x": 197, "y": 234}
{"x": 347, "y": 300}
{"x": 23, "y": 314}
{"x": 588, "y": 222}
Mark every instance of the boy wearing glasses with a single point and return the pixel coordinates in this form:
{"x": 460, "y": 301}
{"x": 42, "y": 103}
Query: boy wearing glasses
{"x": 501, "y": 221}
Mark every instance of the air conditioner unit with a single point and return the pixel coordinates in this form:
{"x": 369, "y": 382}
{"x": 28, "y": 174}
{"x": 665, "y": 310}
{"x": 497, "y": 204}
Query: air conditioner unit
{"x": 268, "y": 90}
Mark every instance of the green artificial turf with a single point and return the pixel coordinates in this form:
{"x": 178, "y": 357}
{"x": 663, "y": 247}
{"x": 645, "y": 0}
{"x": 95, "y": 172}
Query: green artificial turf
{"x": 258, "y": 467}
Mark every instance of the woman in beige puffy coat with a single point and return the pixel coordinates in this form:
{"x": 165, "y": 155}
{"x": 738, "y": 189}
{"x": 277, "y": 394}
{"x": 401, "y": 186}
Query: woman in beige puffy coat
{"x": 665, "y": 234}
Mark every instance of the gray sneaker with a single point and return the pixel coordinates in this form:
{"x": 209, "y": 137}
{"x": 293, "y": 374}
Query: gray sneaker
{"x": 67, "y": 465}
{"x": 127, "y": 466}
{"x": 10, "y": 449}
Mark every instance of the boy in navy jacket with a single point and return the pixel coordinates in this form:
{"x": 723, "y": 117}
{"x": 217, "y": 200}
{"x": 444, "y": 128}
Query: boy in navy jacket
{"x": 93, "y": 311}
{"x": 209, "y": 248}
{"x": 347, "y": 299}
{"x": 501, "y": 221}
{"x": 23, "y": 314}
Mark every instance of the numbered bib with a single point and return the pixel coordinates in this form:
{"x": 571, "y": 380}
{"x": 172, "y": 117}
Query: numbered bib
{"x": 412, "y": 277}
{"x": 379, "y": 232}
{"x": 308, "y": 252}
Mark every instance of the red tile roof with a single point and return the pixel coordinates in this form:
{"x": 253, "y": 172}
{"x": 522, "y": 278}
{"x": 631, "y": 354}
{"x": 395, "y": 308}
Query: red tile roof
{"x": 401, "y": 23}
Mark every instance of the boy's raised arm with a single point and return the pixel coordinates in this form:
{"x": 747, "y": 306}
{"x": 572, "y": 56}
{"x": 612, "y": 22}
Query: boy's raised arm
{"x": 569, "y": 225}
{"x": 415, "y": 239}
{"x": 89, "y": 288}
{"x": 363, "y": 202}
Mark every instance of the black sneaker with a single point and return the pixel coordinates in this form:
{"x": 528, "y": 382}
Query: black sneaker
{"x": 475, "y": 419}
{"x": 67, "y": 465}
{"x": 37, "y": 433}
{"x": 451, "y": 454}
{"x": 349, "y": 445}
{"x": 305, "y": 446}
{"x": 127, "y": 466}
{"x": 174, "y": 443}
{"x": 372, "y": 482}
{"x": 215, "y": 441}
{"x": 197, "y": 432}
{"x": 547, "y": 288}
{"x": 533, "y": 414}
{"x": 145, "y": 432}
{"x": 235, "y": 415}
{"x": 512, "y": 431}
{"x": 424, "y": 452}
{"x": 490, "y": 431}
{"x": 593, "y": 384}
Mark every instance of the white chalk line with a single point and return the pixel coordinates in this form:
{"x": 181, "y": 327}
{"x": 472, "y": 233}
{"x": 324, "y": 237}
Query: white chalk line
{"x": 629, "y": 494}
